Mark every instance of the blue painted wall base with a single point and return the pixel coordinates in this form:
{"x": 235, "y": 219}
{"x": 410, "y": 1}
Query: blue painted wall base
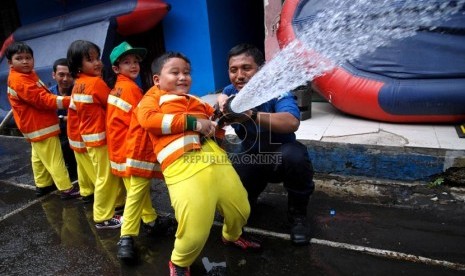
{"x": 382, "y": 162}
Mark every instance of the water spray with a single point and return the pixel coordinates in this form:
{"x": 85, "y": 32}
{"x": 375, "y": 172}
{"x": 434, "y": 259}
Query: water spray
{"x": 341, "y": 31}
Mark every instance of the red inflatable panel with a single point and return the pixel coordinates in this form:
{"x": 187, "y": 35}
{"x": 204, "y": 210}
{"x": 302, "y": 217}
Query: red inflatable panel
{"x": 146, "y": 15}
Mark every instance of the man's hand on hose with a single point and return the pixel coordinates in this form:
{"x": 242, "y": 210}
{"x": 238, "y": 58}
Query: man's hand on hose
{"x": 228, "y": 116}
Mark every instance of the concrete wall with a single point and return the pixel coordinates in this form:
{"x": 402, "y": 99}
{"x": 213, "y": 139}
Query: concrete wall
{"x": 382, "y": 162}
{"x": 272, "y": 13}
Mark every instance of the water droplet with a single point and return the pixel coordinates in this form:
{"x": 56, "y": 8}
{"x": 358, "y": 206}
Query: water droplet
{"x": 332, "y": 212}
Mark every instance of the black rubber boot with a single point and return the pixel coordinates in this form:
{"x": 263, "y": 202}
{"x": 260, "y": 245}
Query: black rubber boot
{"x": 164, "y": 226}
{"x": 300, "y": 231}
{"x": 126, "y": 250}
{"x": 45, "y": 190}
{"x": 297, "y": 215}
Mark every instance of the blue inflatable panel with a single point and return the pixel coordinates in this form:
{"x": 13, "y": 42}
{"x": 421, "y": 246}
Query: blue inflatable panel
{"x": 423, "y": 97}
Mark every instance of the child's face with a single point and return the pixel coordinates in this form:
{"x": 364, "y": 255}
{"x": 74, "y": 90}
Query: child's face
{"x": 128, "y": 66}
{"x": 175, "y": 77}
{"x": 93, "y": 65}
{"x": 22, "y": 62}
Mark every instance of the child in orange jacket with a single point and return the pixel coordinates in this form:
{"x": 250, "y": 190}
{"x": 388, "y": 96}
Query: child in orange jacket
{"x": 198, "y": 173}
{"x": 90, "y": 95}
{"x": 35, "y": 113}
{"x": 125, "y": 95}
{"x": 85, "y": 169}
{"x": 138, "y": 169}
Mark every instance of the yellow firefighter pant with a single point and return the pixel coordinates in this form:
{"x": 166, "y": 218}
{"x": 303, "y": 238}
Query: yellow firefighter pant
{"x": 86, "y": 173}
{"x": 106, "y": 184}
{"x": 48, "y": 164}
{"x": 121, "y": 193}
{"x": 138, "y": 205}
{"x": 195, "y": 200}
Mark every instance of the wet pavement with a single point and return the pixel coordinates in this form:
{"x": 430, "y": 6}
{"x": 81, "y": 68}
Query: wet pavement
{"x": 49, "y": 236}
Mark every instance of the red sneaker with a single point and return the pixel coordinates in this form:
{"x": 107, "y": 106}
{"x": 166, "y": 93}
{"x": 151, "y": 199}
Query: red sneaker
{"x": 243, "y": 243}
{"x": 179, "y": 271}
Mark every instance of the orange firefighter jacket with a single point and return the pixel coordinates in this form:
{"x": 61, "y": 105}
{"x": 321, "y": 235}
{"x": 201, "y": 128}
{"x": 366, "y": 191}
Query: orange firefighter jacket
{"x": 90, "y": 95}
{"x": 164, "y": 117}
{"x": 72, "y": 126}
{"x": 34, "y": 106}
{"x": 141, "y": 159}
{"x": 121, "y": 102}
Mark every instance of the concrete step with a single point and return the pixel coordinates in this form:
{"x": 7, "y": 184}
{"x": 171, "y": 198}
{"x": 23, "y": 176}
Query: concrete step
{"x": 382, "y": 162}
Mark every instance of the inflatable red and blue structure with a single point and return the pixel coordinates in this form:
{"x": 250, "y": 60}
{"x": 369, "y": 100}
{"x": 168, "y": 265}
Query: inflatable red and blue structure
{"x": 104, "y": 24}
{"x": 128, "y": 16}
{"x": 418, "y": 79}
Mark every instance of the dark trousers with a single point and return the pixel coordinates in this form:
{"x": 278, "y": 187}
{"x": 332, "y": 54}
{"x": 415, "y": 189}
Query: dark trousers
{"x": 68, "y": 156}
{"x": 288, "y": 163}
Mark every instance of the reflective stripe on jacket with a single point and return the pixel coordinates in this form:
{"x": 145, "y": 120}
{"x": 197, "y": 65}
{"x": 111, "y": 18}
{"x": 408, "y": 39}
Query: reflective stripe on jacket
{"x": 121, "y": 101}
{"x": 74, "y": 136}
{"x": 141, "y": 159}
{"x": 164, "y": 117}
{"x": 34, "y": 106}
{"x": 90, "y": 95}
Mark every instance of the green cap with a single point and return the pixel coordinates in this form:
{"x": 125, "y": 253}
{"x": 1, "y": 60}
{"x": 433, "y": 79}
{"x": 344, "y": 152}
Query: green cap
{"x": 123, "y": 49}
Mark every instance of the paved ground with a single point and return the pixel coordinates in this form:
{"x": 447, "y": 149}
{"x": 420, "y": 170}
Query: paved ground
{"x": 379, "y": 228}
{"x": 366, "y": 236}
